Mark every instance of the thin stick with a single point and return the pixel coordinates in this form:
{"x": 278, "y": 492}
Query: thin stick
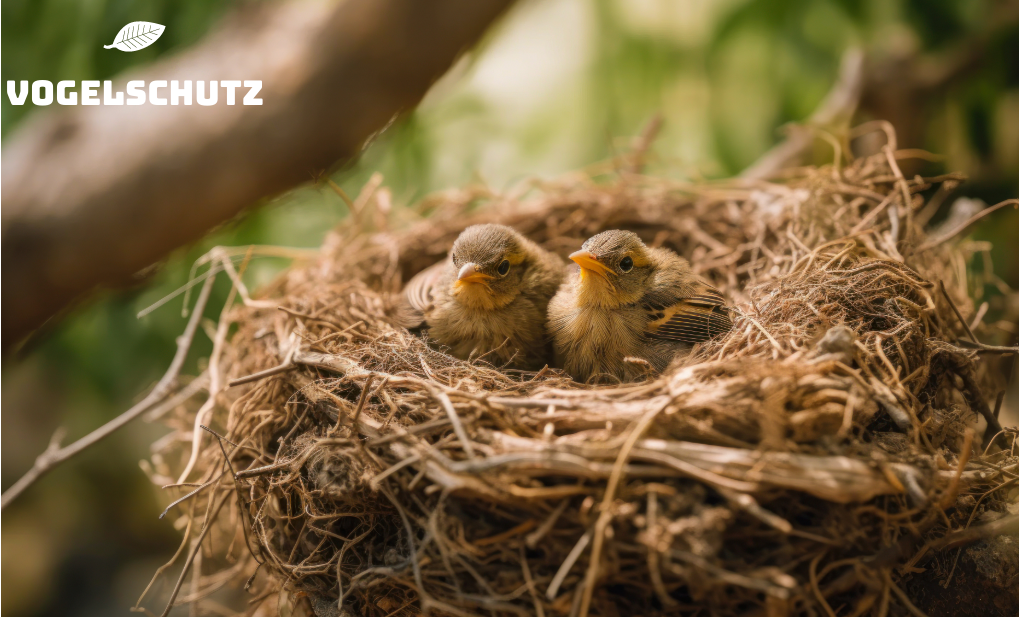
{"x": 980, "y": 315}
{"x": 454, "y": 419}
{"x": 644, "y": 142}
{"x": 948, "y": 499}
{"x": 567, "y": 565}
{"x": 198, "y": 546}
{"x": 973, "y": 342}
{"x": 343, "y": 194}
{"x": 766, "y": 333}
{"x": 965, "y": 324}
{"x": 201, "y": 487}
{"x": 197, "y": 384}
{"x": 606, "y": 505}
{"x": 269, "y": 372}
{"x": 1005, "y": 525}
{"x": 55, "y": 455}
{"x": 901, "y": 595}
{"x": 360, "y": 404}
{"x": 539, "y": 611}
{"x": 814, "y": 587}
{"x": 426, "y": 600}
{"x": 535, "y": 536}
{"x": 997, "y": 404}
{"x": 933, "y": 242}
{"x": 215, "y": 378}
{"x": 870, "y": 216}
{"x": 653, "y": 554}
{"x": 159, "y": 571}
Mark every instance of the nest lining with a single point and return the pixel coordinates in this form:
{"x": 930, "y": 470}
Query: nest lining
{"x": 802, "y": 464}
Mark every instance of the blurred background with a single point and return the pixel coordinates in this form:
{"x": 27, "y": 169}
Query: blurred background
{"x": 555, "y": 86}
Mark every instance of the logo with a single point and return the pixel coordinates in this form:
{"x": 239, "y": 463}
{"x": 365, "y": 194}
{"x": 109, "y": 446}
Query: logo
{"x": 136, "y": 35}
{"x": 133, "y": 37}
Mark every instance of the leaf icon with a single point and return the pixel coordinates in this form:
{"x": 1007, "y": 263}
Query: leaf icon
{"x": 136, "y": 35}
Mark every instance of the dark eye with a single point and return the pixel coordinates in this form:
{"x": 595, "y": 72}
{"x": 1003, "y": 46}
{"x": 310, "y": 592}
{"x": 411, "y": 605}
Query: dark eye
{"x": 626, "y": 264}
{"x": 503, "y": 267}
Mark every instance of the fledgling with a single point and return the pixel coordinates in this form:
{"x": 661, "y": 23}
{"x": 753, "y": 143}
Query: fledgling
{"x": 489, "y": 297}
{"x": 632, "y": 302}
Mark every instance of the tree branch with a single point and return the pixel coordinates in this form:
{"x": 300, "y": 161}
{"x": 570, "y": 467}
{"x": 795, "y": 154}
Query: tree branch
{"x": 55, "y": 455}
{"x": 94, "y": 194}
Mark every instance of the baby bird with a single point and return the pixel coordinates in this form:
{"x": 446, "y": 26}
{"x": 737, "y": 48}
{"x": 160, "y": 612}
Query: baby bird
{"x": 630, "y": 302}
{"x": 490, "y": 298}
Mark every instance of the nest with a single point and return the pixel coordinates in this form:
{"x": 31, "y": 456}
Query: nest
{"x": 817, "y": 460}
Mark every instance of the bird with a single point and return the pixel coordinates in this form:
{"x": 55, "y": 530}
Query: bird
{"x": 629, "y": 310}
{"x": 488, "y": 299}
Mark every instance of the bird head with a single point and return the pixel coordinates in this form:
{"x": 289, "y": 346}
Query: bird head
{"x": 615, "y": 269}
{"x": 490, "y": 261}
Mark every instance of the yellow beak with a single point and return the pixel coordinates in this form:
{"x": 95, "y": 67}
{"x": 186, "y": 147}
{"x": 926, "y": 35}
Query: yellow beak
{"x": 469, "y": 274}
{"x": 588, "y": 262}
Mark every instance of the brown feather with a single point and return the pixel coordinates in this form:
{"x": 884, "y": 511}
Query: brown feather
{"x": 692, "y": 319}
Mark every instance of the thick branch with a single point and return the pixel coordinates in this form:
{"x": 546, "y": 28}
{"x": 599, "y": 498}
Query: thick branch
{"x": 94, "y": 194}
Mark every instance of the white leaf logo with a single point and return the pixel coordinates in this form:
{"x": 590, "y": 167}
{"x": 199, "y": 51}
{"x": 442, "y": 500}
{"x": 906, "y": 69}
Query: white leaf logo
{"x": 137, "y": 35}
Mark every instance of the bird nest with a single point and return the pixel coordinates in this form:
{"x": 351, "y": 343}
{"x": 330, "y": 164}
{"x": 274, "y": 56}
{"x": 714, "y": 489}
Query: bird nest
{"x": 820, "y": 459}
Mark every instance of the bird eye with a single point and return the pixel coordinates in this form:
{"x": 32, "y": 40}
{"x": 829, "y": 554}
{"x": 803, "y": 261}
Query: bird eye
{"x": 626, "y": 264}
{"x": 503, "y": 267}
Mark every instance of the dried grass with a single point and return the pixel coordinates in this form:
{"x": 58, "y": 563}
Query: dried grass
{"x": 804, "y": 464}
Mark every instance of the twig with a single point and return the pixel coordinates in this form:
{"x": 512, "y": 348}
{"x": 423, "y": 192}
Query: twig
{"x": 933, "y": 242}
{"x": 343, "y": 194}
{"x": 653, "y": 552}
{"x": 159, "y": 571}
{"x": 535, "y": 536}
{"x": 454, "y": 419}
{"x": 361, "y": 401}
{"x": 647, "y": 137}
{"x": 965, "y": 324}
{"x": 201, "y": 487}
{"x": 870, "y": 216}
{"x": 215, "y": 378}
{"x": 1008, "y": 524}
{"x": 997, "y": 404}
{"x": 974, "y": 342}
{"x": 55, "y": 455}
{"x": 901, "y": 595}
{"x": 269, "y": 372}
{"x": 567, "y": 565}
{"x": 194, "y": 387}
{"x": 815, "y": 588}
{"x": 426, "y": 600}
{"x": 539, "y": 611}
{"x": 980, "y": 315}
{"x": 983, "y": 348}
{"x": 606, "y": 505}
{"x": 948, "y": 499}
{"x": 766, "y": 333}
{"x": 732, "y": 578}
{"x": 261, "y": 471}
{"x": 194, "y": 551}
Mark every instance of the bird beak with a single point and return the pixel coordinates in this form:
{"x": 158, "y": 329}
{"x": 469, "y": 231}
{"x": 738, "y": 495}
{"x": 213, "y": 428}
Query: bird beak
{"x": 588, "y": 262}
{"x": 469, "y": 274}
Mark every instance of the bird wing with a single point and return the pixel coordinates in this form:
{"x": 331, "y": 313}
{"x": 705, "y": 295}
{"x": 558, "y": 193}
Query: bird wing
{"x": 419, "y": 295}
{"x": 691, "y": 318}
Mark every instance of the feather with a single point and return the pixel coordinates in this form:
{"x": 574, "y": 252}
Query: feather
{"x": 419, "y": 296}
{"x": 690, "y": 319}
